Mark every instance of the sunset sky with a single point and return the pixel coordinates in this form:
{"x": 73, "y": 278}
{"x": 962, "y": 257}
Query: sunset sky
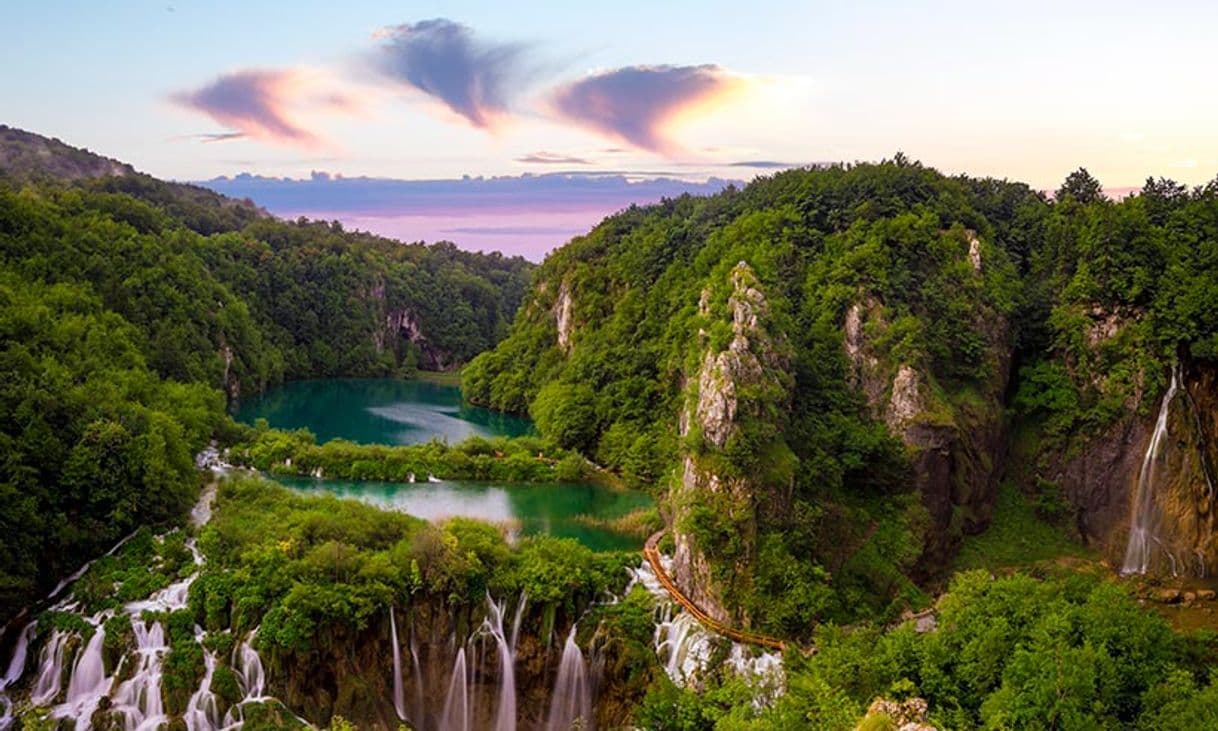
{"x": 684, "y": 90}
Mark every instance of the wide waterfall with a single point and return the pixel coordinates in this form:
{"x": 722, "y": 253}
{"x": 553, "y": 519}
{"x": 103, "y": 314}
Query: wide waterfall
{"x": 1143, "y": 528}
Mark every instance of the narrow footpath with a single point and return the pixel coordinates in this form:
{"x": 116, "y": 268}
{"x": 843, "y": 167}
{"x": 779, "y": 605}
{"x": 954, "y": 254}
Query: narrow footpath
{"x": 653, "y": 557}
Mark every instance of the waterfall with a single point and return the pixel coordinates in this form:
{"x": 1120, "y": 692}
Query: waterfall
{"x": 88, "y": 682}
{"x": 505, "y": 715}
{"x": 418, "y": 681}
{"x": 16, "y": 664}
{"x": 685, "y": 647}
{"x": 202, "y": 713}
{"x": 50, "y": 670}
{"x": 248, "y": 665}
{"x": 138, "y": 699}
{"x": 571, "y": 702}
{"x": 399, "y": 696}
{"x": 455, "y": 716}
{"x": 1142, "y": 537}
{"x": 13, "y": 673}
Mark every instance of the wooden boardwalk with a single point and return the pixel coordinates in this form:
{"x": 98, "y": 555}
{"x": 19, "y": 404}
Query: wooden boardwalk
{"x": 653, "y": 557}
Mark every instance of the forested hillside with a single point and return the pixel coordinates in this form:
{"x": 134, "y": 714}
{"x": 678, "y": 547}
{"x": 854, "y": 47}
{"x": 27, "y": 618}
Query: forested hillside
{"x": 825, "y": 372}
{"x": 134, "y": 310}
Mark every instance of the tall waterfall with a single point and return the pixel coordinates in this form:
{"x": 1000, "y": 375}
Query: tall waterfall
{"x": 505, "y": 714}
{"x": 571, "y": 702}
{"x": 399, "y": 695}
{"x": 456, "y": 705}
{"x": 202, "y": 712}
{"x": 1142, "y": 524}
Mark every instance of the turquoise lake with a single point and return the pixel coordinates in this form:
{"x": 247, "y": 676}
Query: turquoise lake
{"x": 387, "y": 411}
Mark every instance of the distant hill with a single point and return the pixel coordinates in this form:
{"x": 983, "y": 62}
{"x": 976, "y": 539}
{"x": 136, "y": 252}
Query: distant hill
{"x": 28, "y": 156}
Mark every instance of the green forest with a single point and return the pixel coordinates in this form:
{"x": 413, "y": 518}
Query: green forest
{"x": 834, "y": 381}
{"x": 134, "y": 311}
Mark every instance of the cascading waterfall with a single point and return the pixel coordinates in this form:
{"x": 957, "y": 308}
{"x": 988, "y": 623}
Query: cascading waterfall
{"x": 505, "y": 715}
{"x": 88, "y": 682}
{"x": 455, "y": 716}
{"x": 202, "y": 712}
{"x": 399, "y": 695}
{"x": 686, "y": 647}
{"x": 1142, "y": 529}
{"x": 13, "y": 673}
{"x": 50, "y": 669}
{"x": 571, "y": 702}
{"x": 138, "y": 699}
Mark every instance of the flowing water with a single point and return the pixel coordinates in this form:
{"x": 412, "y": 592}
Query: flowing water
{"x": 571, "y": 701}
{"x": 378, "y": 411}
{"x": 686, "y": 648}
{"x": 1143, "y": 529}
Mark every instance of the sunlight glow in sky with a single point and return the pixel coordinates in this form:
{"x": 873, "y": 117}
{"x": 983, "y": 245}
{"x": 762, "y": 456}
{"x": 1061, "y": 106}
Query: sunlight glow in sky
{"x": 430, "y": 90}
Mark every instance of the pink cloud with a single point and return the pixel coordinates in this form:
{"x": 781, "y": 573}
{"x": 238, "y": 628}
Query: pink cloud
{"x": 638, "y": 104}
{"x": 253, "y": 103}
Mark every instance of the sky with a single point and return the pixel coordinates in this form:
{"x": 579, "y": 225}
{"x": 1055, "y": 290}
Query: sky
{"x": 629, "y": 91}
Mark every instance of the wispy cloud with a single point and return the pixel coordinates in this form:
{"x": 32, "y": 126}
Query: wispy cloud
{"x": 474, "y": 78}
{"x": 638, "y": 104}
{"x": 254, "y": 103}
{"x": 542, "y": 157}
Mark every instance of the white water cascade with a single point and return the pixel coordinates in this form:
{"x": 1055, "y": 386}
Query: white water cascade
{"x": 455, "y": 716}
{"x": 13, "y": 673}
{"x": 505, "y": 714}
{"x": 202, "y": 712}
{"x": 399, "y": 694}
{"x": 1143, "y": 537}
{"x": 571, "y": 701}
{"x": 88, "y": 682}
{"x": 685, "y": 646}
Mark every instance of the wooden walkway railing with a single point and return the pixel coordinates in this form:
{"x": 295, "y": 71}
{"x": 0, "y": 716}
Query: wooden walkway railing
{"x": 653, "y": 557}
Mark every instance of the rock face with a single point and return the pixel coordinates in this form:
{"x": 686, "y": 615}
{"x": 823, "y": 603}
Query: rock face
{"x": 1100, "y": 476}
{"x": 752, "y": 360}
{"x": 957, "y": 448}
{"x": 563, "y": 316}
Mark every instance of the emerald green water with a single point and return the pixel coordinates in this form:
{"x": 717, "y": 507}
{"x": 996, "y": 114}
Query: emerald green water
{"x": 389, "y": 411}
{"x": 530, "y": 509}
{"x": 378, "y": 411}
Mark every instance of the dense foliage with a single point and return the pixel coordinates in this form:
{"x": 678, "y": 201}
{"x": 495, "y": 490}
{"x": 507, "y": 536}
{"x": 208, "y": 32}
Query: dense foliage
{"x": 522, "y": 459}
{"x": 1017, "y": 652}
{"x": 305, "y": 569}
{"x": 962, "y": 280}
{"x": 128, "y": 306}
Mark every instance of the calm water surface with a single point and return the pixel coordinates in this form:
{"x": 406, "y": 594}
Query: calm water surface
{"x": 526, "y": 509}
{"x": 378, "y": 411}
{"x": 390, "y": 411}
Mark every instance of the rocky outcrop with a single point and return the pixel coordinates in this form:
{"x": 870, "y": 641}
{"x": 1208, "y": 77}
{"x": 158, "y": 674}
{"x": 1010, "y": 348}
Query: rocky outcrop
{"x": 753, "y": 361}
{"x": 957, "y": 445}
{"x": 405, "y": 324}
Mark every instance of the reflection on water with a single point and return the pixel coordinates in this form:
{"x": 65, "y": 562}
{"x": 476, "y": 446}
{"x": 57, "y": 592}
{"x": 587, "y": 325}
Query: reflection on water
{"x": 530, "y": 509}
{"x": 378, "y": 411}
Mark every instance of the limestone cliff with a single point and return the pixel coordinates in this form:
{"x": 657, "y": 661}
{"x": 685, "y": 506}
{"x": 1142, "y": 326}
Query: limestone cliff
{"x": 956, "y": 439}
{"x": 713, "y": 499}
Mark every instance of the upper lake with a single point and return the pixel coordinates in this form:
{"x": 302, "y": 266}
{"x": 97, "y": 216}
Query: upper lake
{"x": 378, "y": 411}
